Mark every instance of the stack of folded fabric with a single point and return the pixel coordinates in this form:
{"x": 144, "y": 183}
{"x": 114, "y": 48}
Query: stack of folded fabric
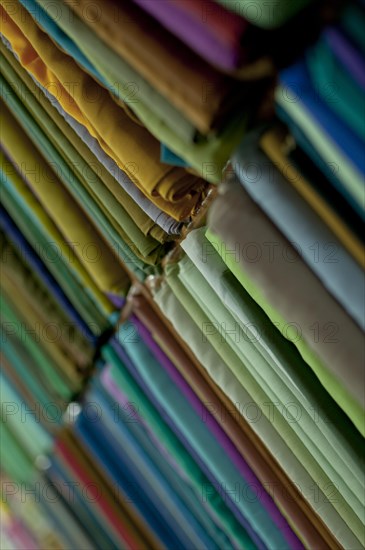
{"x": 182, "y": 362}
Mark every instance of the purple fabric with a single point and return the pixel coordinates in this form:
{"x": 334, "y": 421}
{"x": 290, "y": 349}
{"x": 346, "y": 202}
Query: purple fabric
{"x": 219, "y": 434}
{"x": 347, "y": 54}
{"x": 196, "y": 32}
{"x": 117, "y": 301}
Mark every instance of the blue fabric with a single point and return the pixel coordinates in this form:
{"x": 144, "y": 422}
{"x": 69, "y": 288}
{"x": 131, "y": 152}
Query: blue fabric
{"x": 122, "y": 471}
{"x": 177, "y": 480}
{"x": 122, "y": 433}
{"x": 169, "y": 157}
{"x": 312, "y": 152}
{"x": 187, "y": 425}
{"x": 297, "y": 79}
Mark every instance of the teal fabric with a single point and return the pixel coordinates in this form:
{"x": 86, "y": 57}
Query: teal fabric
{"x": 336, "y": 86}
{"x": 200, "y": 438}
{"x": 167, "y": 438}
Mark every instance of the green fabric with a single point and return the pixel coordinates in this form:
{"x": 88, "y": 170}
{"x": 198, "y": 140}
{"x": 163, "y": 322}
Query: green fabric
{"x": 46, "y": 367}
{"x": 275, "y": 359}
{"x": 300, "y": 431}
{"x": 175, "y": 448}
{"x": 208, "y": 158}
{"x": 45, "y": 238}
{"x": 15, "y": 462}
{"x": 262, "y": 399}
{"x": 23, "y": 364}
{"x": 24, "y": 426}
{"x": 328, "y": 380}
{"x": 265, "y": 13}
{"x": 346, "y": 98}
{"x": 350, "y": 176}
{"x": 96, "y": 170}
{"x": 54, "y": 346}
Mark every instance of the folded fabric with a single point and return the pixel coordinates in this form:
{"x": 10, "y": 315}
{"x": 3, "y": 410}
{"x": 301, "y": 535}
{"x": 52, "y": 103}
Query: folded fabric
{"x": 207, "y": 28}
{"x": 153, "y": 485}
{"x": 167, "y": 467}
{"x": 132, "y": 472}
{"x": 32, "y": 436}
{"x": 236, "y": 426}
{"x": 167, "y": 437}
{"x": 276, "y": 282}
{"x": 314, "y": 242}
{"x": 56, "y": 365}
{"x": 317, "y": 191}
{"x": 23, "y": 84}
{"x": 208, "y": 155}
{"x": 265, "y": 502}
{"x": 265, "y": 13}
{"x": 335, "y": 144}
{"x": 263, "y": 419}
{"x": 115, "y": 131}
{"x": 126, "y": 86}
{"x": 333, "y": 80}
{"x": 62, "y": 332}
{"x": 127, "y": 242}
{"x": 34, "y": 262}
{"x": 123, "y": 524}
{"x": 204, "y": 95}
{"x": 268, "y": 357}
{"x": 106, "y": 272}
{"x": 59, "y": 255}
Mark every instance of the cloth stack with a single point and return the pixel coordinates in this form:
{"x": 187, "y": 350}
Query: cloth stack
{"x": 182, "y": 286}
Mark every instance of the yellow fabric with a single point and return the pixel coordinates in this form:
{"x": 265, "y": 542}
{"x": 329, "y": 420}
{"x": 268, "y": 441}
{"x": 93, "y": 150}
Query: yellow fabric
{"x": 271, "y": 144}
{"x": 106, "y": 272}
{"x": 131, "y": 146}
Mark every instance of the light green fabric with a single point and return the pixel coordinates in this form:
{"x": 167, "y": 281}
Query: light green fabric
{"x": 328, "y": 380}
{"x": 36, "y": 352}
{"x": 265, "y": 13}
{"x": 14, "y": 461}
{"x": 26, "y": 427}
{"x": 258, "y": 396}
{"x": 274, "y": 374}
